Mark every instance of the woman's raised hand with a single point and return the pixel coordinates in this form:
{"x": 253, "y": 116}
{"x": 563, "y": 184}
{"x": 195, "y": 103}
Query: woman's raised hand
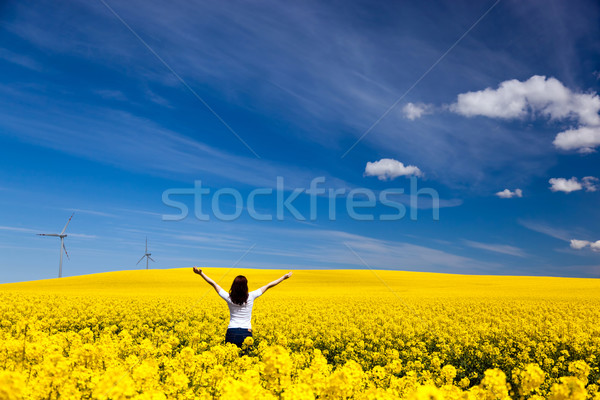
{"x": 286, "y": 276}
{"x": 198, "y": 270}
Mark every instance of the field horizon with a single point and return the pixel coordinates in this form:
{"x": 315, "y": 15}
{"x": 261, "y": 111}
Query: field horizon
{"x": 161, "y": 281}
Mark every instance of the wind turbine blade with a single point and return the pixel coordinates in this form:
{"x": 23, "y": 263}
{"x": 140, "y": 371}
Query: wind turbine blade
{"x": 140, "y": 260}
{"x": 146, "y": 244}
{"x": 65, "y": 228}
{"x": 48, "y": 234}
{"x": 151, "y": 259}
{"x": 65, "y": 249}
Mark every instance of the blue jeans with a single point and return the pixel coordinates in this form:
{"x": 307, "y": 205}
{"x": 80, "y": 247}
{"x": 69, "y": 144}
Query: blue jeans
{"x": 237, "y": 336}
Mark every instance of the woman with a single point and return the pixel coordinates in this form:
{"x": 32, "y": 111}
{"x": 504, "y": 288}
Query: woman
{"x": 240, "y": 304}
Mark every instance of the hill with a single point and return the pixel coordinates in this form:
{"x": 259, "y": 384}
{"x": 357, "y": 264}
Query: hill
{"x": 183, "y": 282}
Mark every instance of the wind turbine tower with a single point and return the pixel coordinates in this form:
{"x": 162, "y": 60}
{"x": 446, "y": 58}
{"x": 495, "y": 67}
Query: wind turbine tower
{"x": 62, "y": 235}
{"x": 146, "y": 255}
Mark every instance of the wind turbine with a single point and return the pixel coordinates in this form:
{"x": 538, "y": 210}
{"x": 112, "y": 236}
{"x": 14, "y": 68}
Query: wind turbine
{"x": 62, "y": 235}
{"x": 147, "y": 255}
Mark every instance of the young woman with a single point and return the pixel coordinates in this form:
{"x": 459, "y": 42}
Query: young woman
{"x": 240, "y": 304}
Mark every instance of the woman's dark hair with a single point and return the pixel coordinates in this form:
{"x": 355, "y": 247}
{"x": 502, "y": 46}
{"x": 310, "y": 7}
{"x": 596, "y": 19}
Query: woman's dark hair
{"x": 239, "y": 290}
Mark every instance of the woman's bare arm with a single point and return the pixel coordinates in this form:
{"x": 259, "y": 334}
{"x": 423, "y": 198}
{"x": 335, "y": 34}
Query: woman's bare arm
{"x": 275, "y": 282}
{"x": 207, "y": 279}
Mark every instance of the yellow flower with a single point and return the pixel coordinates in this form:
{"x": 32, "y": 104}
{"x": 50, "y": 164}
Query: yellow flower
{"x": 580, "y": 369}
{"x": 569, "y": 388}
{"x": 531, "y": 378}
{"x": 448, "y": 373}
{"x": 11, "y": 385}
{"x": 494, "y": 384}
{"x": 427, "y": 392}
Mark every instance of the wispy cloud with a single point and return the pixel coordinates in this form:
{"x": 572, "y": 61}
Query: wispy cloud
{"x": 497, "y": 248}
{"x": 323, "y": 90}
{"x": 215, "y": 240}
{"x": 557, "y": 233}
{"x": 90, "y": 212}
{"x": 155, "y": 98}
{"x": 18, "y": 229}
{"x": 82, "y": 236}
{"x": 326, "y": 247}
{"x": 20, "y": 59}
{"x": 135, "y": 211}
{"x": 119, "y": 138}
{"x": 36, "y": 231}
{"x": 111, "y": 94}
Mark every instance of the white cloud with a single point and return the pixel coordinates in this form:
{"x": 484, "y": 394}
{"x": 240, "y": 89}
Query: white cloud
{"x": 507, "y": 194}
{"x": 581, "y": 244}
{"x": 516, "y": 99}
{"x": 584, "y": 139}
{"x": 414, "y": 111}
{"x": 388, "y": 169}
{"x": 589, "y": 183}
{"x": 565, "y": 185}
{"x": 539, "y": 96}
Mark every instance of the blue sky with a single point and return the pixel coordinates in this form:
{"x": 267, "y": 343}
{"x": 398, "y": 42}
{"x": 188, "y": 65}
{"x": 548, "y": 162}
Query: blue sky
{"x": 105, "y": 105}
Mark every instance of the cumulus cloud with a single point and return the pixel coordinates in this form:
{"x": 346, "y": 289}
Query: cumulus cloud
{"x": 516, "y": 99}
{"x": 565, "y": 185}
{"x": 539, "y": 96}
{"x": 581, "y": 244}
{"x": 589, "y": 183}
{"x": 584, "y": 139}
{"x": 507, "y": 194}
{"x": 414, "y": 111}
{"x": 388, "y": 169}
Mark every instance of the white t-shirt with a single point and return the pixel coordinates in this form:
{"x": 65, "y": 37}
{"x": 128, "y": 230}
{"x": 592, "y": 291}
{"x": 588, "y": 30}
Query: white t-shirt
{"x": 240, "y": 316}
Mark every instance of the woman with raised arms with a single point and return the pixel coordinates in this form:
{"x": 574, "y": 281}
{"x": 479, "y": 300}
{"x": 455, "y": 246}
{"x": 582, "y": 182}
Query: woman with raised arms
{"x": 240, "y": 303}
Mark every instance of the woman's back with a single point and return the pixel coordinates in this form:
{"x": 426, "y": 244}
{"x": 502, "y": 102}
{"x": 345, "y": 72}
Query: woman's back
{"x": 240, "y": 303}
{"x": 240, "y": 316}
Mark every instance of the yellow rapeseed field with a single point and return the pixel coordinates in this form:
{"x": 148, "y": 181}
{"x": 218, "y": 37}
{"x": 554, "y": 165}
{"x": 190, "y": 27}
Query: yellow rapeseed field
{"x": 321, "y": 334}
